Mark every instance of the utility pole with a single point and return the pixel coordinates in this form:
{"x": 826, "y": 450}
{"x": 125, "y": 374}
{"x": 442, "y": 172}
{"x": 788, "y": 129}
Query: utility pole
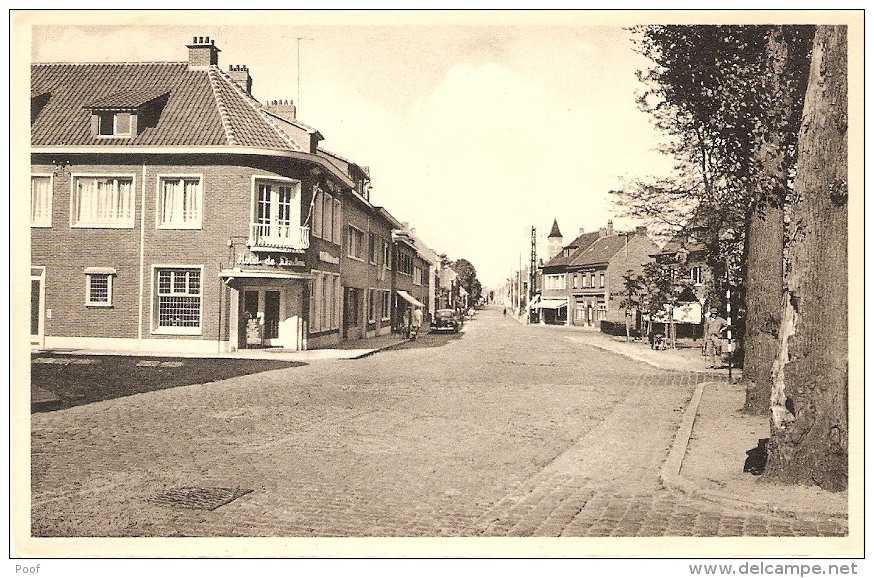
{"x": 520, "y": 284}
{"x": 532, "y": 270}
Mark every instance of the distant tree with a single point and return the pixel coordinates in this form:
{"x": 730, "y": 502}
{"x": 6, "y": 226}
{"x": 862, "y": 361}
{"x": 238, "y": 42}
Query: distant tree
{"x": 662, "y": 284}
{"x": 467, "y": 278}
{"x": 633, "y": 292}
{"x": 809, "y": 422}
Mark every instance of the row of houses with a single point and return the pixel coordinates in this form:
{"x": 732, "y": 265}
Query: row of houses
{"x": 172, "y": 211}
{"x": 582, "y": 283}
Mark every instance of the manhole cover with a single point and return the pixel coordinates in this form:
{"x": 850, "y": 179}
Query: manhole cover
{"x": 199, "y": 498}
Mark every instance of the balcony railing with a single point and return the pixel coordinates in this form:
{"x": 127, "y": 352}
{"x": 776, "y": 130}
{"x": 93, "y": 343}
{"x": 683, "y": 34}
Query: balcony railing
{"x": 277, "y": 237}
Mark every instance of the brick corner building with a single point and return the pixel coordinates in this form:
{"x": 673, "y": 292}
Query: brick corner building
{"x": 172, "y": 211}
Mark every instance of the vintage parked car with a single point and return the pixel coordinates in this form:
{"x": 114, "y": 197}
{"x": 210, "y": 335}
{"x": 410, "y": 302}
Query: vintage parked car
{"x": 446, "y": 320}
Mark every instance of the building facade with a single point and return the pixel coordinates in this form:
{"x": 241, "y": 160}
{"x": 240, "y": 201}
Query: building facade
{"x": 583, "y": 285}
{"x": 170, "y": 210}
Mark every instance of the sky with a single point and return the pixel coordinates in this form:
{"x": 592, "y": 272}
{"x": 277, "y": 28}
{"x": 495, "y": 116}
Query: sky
{"x": 473, "y": 134}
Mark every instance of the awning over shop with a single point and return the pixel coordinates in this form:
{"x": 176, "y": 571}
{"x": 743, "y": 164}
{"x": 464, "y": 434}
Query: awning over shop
{"x": 229, "y": 275}
{"x": 550, "y": 304}
{"x": 410, "y": 299}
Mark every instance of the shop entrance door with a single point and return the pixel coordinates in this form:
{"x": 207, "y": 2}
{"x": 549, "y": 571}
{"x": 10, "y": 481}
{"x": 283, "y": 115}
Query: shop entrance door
{"x": 251, "y": 320}
{"x": 271, "y": 316}
{"x": 261, "y": 312}
{"x": 352, "y": 313}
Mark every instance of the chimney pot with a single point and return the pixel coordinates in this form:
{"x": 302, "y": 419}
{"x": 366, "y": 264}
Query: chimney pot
{"x": 240, "y": 74}
{"x": 202, "y": 54}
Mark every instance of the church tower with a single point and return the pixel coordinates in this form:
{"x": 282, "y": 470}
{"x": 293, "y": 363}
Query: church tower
{"x": 555, "y": 241}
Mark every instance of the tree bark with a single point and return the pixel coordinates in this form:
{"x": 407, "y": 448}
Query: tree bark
{"x": 809, "y": 429}
{"x": 764, "y": 287}
{"x": 764, "y": 238}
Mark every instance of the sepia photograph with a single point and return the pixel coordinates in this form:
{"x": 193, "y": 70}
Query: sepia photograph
{"x": 354, "y": 284}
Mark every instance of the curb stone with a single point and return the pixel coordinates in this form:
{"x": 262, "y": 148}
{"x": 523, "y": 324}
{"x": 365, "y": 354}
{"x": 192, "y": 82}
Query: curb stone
{"x": 671, "y": 478}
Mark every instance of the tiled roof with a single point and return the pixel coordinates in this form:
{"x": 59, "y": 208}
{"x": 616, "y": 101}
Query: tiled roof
{"x": 204, "y": 107}
{"x": 248, "y": 122}
{"x": 601, "y": 251}
{"x": 130, "y": 98}
{"x": 578, "y": 245}
{"x": 677, "y": 243}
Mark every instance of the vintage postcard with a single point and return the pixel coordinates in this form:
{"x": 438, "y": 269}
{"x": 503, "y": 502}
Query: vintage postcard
{"x": 366, "y": 284}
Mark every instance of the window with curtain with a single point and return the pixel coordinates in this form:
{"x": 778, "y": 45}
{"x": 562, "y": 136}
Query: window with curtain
{"x": 356, "y": 243}
{"x": 338, "y": 302}
{"x": 327, "y": 300}
{"x": 103, "y": 202}
{"x": 386, "y": 305}
{"x": 180, "y": 203}
{"x": 277, "y": 214}
{"x": 40, "y": 201}
{"x": 317, "y": 212}
{"x": 338, "y": 222}
{"x": 318, "y": 302}
{"x": 328, "y": 216}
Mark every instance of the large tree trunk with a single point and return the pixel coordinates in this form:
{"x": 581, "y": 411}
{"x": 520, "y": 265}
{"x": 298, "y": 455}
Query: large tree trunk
{"x": 809, "y": 397}
{"x": 764, "y": 286}
{"x": 764, "y": 239}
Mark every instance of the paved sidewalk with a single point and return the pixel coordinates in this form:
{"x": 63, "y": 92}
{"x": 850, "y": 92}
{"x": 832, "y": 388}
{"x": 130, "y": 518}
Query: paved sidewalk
{"x": 354, "y": 349}
{"x": 708, "y": 454}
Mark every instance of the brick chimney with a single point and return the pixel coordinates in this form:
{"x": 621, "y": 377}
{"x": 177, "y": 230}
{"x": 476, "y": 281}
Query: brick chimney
{"x": 602, "y": 232}
{"x": 239, "y": 73}
{"x": 283, "y": 108}
{"x": 202, "y": 53}
{"x": 609, "y": 227}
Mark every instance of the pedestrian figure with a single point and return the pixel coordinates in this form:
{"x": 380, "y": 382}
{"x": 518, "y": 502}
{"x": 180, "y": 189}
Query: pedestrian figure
{"x": 505, "y": 310}
{"x": 416, "y": 321}
{"x": 713, "y": 328}
{"x": 408, "y": 320}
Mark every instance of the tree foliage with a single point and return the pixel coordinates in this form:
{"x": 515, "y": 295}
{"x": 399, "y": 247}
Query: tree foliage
{"x": 467, "y": 277}
{"x": 712, "y": 93}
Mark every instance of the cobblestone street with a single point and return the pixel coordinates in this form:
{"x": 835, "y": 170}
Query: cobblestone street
{"x": 502, "y": 430}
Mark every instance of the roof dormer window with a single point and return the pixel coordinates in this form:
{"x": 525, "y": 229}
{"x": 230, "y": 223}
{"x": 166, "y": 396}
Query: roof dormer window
{"x": 114, "y": 123}
{"x": 126, "y": 114}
